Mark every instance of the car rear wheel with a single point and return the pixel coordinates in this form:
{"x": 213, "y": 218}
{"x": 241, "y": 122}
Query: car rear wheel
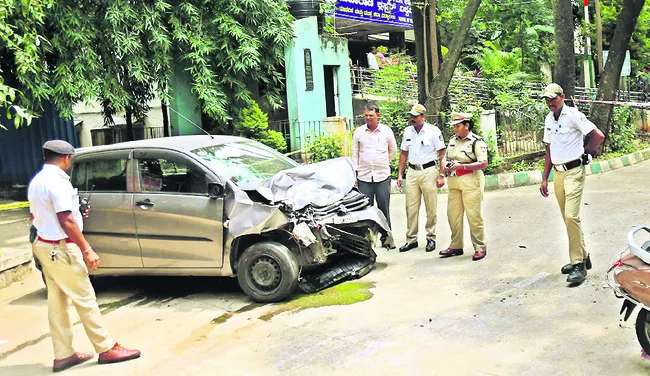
{"x": 267, "y": 272}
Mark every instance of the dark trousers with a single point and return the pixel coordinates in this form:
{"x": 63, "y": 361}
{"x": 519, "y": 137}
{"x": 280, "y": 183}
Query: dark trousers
{"x": 379, "y": 191}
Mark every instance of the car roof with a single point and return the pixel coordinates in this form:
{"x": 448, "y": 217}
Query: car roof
{"x": 180, "y": 143}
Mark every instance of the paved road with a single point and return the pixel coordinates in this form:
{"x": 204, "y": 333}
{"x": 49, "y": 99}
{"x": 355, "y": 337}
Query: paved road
{"x": 509, "y": 314}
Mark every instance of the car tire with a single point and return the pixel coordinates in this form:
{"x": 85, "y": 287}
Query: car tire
{"x": 267, "y": 272}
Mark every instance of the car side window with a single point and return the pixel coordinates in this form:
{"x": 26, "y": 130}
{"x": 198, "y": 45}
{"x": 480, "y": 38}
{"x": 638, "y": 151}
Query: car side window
{"x": 78, "y": 178}
{"x": 107, "y": 175}
{"x": 171, "y": 176}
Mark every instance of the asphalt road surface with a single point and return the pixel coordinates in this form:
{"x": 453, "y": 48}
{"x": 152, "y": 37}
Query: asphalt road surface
{"x": 509, "y": 314}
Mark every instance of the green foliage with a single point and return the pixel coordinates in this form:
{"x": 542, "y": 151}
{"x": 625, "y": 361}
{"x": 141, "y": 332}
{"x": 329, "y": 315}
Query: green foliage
{"x": 396, "y": 80}
{"x": 394, "y": 115}
{"x": 622, "y": 131}
{"x": 121, "y": 52}
{"x": 494, "y": 159}
{"x": 324, "y": 147}
{"x": 252, "y": 123}
{"x": 640, "y": 41}
{"x": 327, "y": 9}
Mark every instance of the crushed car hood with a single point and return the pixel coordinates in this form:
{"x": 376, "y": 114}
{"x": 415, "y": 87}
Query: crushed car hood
{"x": 318, "y": 184}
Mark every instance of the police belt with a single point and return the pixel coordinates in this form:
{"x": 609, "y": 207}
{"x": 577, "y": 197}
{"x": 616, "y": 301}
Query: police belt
{"x": 568, "y": 166}
{"x": 421, "y": 166}
{"x": 67, "y": 240}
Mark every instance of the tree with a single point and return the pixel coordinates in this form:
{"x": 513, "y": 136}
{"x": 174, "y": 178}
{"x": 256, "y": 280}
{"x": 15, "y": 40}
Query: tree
{"x": 440, "y": 84}
{"x": 119, "y": 52}
{"x": 22, "y": 68}
{"x": 625, "y": 24}
{"x": 564, "y": 72}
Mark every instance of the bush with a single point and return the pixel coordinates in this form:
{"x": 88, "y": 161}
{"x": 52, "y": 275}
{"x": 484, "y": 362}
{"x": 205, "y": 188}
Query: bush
{"x": 324, "y": 147}
{"x": 252, "y": 123}
{"x": 622, "y": 132}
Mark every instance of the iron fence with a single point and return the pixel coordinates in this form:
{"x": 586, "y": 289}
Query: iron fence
{"x": 113, "y": 135}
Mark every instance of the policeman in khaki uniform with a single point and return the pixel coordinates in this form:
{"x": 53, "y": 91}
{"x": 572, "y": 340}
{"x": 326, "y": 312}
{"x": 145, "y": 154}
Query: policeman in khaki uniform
{"x": 66, "y": 256}
{"x": 564, "y": 131}
{"x": 422, "y": 145}
{"x": 466, "y": 158}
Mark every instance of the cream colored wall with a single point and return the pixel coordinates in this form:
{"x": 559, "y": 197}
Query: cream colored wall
{"x": 91, "y": 115}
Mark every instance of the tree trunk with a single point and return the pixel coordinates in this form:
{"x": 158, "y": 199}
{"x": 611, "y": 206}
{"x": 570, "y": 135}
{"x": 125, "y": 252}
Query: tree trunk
{"x": 599, "y": 40}
{"x": 625, "y": 24}
{"x": 165, "y": 114}
{"x": 427, "y": 42}
{"x": 420, "y": 49}
{"x": 129, "y": 123}
{"x": 564, "y": 72}
{"x": 433, "y": 40}
{"x": 440, "y": 83}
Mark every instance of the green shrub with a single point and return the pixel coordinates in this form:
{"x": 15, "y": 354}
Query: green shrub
{"x": 252, "y": 123}
{"x": 324, "y": 147}
{"x": 622, "y": 132}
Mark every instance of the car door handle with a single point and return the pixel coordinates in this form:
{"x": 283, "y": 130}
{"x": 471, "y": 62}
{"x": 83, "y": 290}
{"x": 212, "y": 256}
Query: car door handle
{"x": 145, "y": 202}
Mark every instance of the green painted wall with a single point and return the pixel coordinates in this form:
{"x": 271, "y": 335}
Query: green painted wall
{"x": 184, "y": 106}
{"x": 307, "y": 109}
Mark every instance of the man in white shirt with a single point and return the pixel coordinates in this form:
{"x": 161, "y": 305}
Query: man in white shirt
{"x": 373, "y": 148}
{"x": 564, "y": 131}
{"x": 422, "y": 146}
{"x": 65, "y": 257}
{"x": 373, "y": 62}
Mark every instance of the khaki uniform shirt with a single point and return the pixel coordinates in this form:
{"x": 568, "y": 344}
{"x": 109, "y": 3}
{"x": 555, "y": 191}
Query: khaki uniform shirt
{"x": 464, "y": 151}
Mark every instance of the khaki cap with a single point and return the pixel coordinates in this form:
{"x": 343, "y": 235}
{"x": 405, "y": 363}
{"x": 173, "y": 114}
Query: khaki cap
{"x": 59, "y": 147}
{"x": 552, "y": 91}
{"x": 459, "y": 117}
{"x": 417, "y": 110}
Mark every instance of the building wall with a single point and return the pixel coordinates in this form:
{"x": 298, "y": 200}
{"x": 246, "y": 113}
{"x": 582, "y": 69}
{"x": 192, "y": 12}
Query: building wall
{"x": 309, "y": 106}
{"x": 89, "y": 116}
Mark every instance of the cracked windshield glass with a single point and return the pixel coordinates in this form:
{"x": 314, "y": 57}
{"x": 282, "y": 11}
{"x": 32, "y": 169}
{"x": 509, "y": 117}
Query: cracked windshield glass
{"x": 245, "y": 162}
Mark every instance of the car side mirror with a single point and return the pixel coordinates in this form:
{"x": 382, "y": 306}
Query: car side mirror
{"x": 216, "y": 190}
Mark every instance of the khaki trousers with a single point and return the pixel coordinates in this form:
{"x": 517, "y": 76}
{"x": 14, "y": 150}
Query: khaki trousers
{"x": 421, "y": 183}
{"x": 568, "y": 191}
{"x": 67, "y": 280}
{"x": 465, "y": 196}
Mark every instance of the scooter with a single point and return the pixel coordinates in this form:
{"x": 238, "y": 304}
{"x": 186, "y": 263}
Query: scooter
{"x": 629, "y": 277}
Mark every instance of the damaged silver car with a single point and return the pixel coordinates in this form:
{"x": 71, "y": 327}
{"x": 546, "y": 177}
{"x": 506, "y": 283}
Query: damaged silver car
{"x": 226, "y": 206}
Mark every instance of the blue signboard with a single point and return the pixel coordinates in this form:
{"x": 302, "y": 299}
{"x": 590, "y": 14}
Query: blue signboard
{"x": 388, "y": 12}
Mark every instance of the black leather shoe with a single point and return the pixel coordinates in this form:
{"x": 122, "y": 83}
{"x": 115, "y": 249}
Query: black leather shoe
{"x": 578, "y": 274}
{"x": 566, "y": 269}
{"x": 431, "y": 245}
{"x": 408, "y": 246}
{"x": 450, "y": 252}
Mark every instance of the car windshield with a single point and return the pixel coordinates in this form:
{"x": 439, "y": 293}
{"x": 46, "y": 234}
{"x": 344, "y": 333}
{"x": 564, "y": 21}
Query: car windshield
{"x": 244, "y": 162}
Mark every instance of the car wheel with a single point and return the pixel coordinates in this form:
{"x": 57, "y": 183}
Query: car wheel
{"x": 267, "y": 272}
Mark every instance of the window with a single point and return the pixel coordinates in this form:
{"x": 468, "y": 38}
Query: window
{"x": 107, "y": 175}
{"x": 165, "y": 175}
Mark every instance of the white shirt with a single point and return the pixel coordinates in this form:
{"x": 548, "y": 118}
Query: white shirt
{"x": 566, "y": 135}
{"x": 422, "y": 146}
{"x": 372, "y": 152}
{"x": 372, "y": 61}
{"x": 51, "y": 192}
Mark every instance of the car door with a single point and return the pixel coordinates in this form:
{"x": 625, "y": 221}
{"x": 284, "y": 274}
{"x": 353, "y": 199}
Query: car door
{"x": 104, "y": 179}
{"x": 178, "y": 224}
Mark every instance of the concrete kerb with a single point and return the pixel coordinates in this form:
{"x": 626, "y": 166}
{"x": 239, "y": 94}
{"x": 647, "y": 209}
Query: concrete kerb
{"x": 518, "y": 179}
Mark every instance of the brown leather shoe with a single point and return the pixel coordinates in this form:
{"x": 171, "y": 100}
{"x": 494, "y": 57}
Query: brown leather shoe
{"x": 479, "y": 255}
{"x": 72, "y": 360}
{"x": 118, "y": 354}
{"x": 449, "y": 252}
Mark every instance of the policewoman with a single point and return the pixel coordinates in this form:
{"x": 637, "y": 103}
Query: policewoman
{"x": 466, "y": 159}
{"x": 66, "y": 256}
{"x": 564, "y": 131}
{"x": 422, "y": 146}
